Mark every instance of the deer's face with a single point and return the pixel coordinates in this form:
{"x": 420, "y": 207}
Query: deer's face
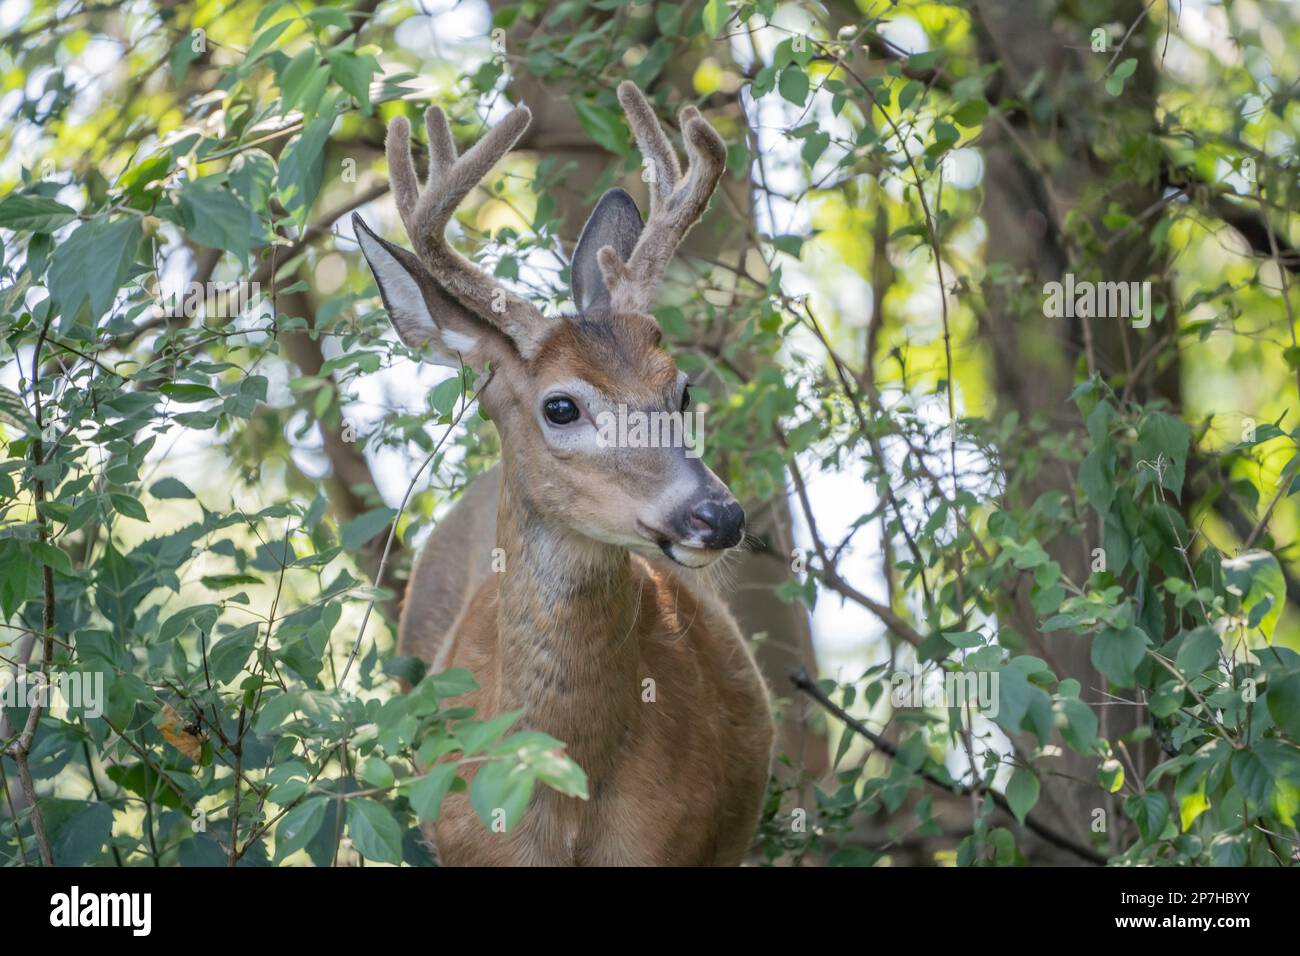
{"x": 596, "y": 432}
{"x": 580, "y": 401}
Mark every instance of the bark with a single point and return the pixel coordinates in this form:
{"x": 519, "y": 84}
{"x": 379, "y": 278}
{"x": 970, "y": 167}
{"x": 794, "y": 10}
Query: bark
{"x": 1036, "y": 359}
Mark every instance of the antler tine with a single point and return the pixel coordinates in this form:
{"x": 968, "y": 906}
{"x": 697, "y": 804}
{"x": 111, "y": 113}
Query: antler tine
{"x": 442, "y": 150}
{"x": 677, "y": 202}
{"x": 426, "y": 214}
{"x": 654, "y": 143}
{"x": 451, "y": 177}
{"x": 401, "y": 170}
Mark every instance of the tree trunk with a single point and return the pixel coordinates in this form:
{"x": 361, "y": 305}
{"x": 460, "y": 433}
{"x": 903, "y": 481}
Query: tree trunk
{"x": 1035, "y": 358}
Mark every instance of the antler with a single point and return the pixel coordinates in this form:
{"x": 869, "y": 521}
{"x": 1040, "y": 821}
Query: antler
{"x": 676, "y": 203}
{"x": 426, "y": 215}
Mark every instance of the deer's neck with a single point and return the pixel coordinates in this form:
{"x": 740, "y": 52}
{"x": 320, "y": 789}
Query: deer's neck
{"x": 567, "y": 651}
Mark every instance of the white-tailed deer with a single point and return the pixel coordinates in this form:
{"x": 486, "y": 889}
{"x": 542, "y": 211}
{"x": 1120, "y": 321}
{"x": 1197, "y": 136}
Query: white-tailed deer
{"x": 601, "y": 642}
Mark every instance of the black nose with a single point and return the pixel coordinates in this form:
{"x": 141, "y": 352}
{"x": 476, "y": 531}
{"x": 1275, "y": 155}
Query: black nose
{"x": 720, "y": 524}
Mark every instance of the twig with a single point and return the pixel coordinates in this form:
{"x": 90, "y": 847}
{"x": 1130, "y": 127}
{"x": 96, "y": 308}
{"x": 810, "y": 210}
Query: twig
{"x": 392, "y": 530}
{"x": 803, "y": 682}
{"x": 21, "y": 748}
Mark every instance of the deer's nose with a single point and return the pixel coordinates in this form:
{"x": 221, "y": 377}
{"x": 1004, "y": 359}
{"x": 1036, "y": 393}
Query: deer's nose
{"x": 720, "y": 524}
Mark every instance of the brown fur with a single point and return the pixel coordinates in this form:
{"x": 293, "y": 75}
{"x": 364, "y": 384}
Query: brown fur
{"x": 677, "y": 781}
{"x": 569, "y": 632}
{"x": 615, "y": 354}
{"x": 587, "y": 609}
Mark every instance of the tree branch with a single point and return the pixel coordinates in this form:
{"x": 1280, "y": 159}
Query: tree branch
{"x": 803, "y": 682}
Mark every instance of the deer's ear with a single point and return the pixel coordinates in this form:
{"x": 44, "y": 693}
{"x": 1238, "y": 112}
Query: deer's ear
{"x": 615, "y": 222}
{"x": 421, "y": 311}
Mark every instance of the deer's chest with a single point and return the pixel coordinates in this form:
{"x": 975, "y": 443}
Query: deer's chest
{"x": 643, "y": 813}
{"x": 680, "y": 790}
{"x": 675, "y": 742}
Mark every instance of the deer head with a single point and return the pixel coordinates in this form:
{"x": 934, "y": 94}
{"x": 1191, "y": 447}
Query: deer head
{"x": 556, "y": 379}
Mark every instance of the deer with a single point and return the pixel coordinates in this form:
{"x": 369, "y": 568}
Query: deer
{"x": 600, "y": 594}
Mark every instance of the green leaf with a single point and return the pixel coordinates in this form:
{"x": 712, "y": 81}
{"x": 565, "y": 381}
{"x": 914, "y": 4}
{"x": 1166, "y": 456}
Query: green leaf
{"x": 1198, "y": 651}
{"x": 361, "y": 529}
{"x": 297, "y": 76}
{"x": 1150, "y": 811}
{"x": 923, "y": 61}
{"x": 451, "y": 683}
{"x": 971, "y": 112}
{"x": 1098, "y": 484}
{"x": 427, "y": 793}
{"x": 1021, "y": 704}
{"x": 215, "y": 217}
{"x": 275, "y": 712}
{"x": 91, "y": 265}
{"x": 1256, "y": 578}
{"x": 203, "y": 616}
{"x": 445, "y": 395}
{"x": 1115, "y": 82}
{"x": 328, "y": 16}
{"x": 376, "y": 772}
{"x": 299, "y": 178}
{"x": 128, "y": 506}
{"x": 946, "y": 133}
{"x": 34, "y": 213}
{"x": 1228, "y": 850}
{"x": 183, "y": 54}
{"x": 605, "y": 127}
{"x": 137, "y": 180}
{"x": 714, "y": 16}
{"x": 165, "y": 488}
{"x": 52, "y": 557}
{"x": 299, "y": 825}
{"x": 1022, "y": 792}
{"x": 82, "y": 838}
{"x": 791, "y": 245}
{"x": 814, "y": 145}
{"x": 14, "y": 412}
{"x": 1258, "y": 770}
{"x": 227, "y": 658}
{"x": 475, "y": 735}
{"x": 1111, "y": 775}
{"x": 353, "y": 71}
{"x": 855, "y": 856}
{"x": 911, "y": 90}
{"x": 187, "y": 392}
{"x": 1080, "y": 730}
{"x": 793, "y": 85}
{"x": 375, "y": 833}
{"x": 1117, "y": 652}
{"x": 500, "y": 794}
{"x": 1283, "y": 701}
{"x": 264, "y": 41}
{"x": 1164, "y": 440}
{"x": 560, "y": 773}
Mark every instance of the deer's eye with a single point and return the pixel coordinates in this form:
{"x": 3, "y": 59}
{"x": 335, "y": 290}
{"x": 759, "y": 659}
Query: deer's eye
{"x": 561, "y": 410}
{"x": 686, "y": 397}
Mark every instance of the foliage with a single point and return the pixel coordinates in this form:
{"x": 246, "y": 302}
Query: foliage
{"x": 179, "y": 515}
